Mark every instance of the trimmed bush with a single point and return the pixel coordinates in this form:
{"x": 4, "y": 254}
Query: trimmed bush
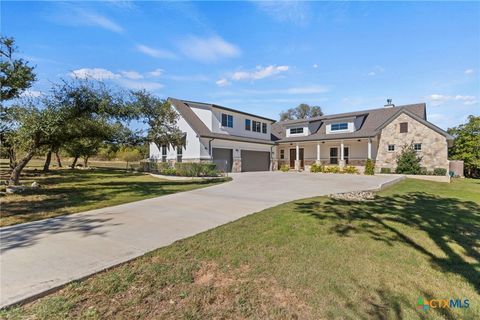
{"x": 169, "y": 172}
{"x": 385, "y": 170}
{"x": 332, "y": 169}
{"x": 190, "y": 169}
{"x": 316, "y": 168}
{"x": 369, "y": 167}
{"x": 408, "y": 162}
{"x": 440, "y": 172}
{"x": 350, "y": 169}
{"x": 285, "y": 168}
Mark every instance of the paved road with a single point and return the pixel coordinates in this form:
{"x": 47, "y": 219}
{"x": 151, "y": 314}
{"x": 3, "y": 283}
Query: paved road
{"x": 39, "y": 256}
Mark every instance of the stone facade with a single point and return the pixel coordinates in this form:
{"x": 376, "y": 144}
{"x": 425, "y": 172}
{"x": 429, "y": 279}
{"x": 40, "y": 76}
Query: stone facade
{"x": 237, "y": 165}
{"x": 434, "y": 151}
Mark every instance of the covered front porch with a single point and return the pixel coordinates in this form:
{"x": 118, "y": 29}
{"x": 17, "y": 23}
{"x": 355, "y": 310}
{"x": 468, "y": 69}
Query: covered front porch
{"x": 301, "y": 155}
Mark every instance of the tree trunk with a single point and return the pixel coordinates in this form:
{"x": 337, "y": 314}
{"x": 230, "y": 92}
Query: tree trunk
{"x": 12, "y": 157}
{"x": 74, "y": 163}
{"x": 46, "y": 166}
{"x": 15, "y": 175}
{"x": 85, "y": 162}
{"x": 59, "y": 161}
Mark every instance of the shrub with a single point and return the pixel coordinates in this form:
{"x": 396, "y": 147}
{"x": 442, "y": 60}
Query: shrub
{"x": 316, "y": 168}
{"x": 169, "y": 172}
{"x": 190, "y": 169}
{"x": 408, "y": 162}
{"x": 423, "y": 171}
{"x": 350, "y": 169}
{"x": 385, "y": 170}
{"x": 440, "y": 172}
{"x": 369, "y": 167}
{"x": 332, "y": 169}
{"x": 284, "y": 168}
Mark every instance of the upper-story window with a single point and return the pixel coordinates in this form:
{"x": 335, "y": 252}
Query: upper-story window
{"x": 403, "y": 127}
{"x": 227, "y": 120}
{"x": 339, "y": 126}
{"x": 248, "y": 124}
{"x": 296, "y": 130}
{"x": 264, "y": 127}
{"x": 256, "y": 126}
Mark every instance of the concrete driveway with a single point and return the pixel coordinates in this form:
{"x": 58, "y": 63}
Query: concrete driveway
{"x": 40, "y": 256}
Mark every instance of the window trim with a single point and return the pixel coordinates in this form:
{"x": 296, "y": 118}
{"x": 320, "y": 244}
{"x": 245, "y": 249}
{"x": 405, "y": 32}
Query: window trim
{"x": 296, "y": 130}
{"x": 388, "y": 148}
{"x": 248, "y": 125}
{"x": 338, "y": 126}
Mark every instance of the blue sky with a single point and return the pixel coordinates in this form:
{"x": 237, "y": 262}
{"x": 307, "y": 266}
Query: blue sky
{"x": 263, "y": 57}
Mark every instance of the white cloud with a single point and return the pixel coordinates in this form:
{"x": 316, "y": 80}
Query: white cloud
{"x": 156, "y": 53}
{"x": 31, "y": 93}
{"x": 315, "y": 66}
{"x": 222, "y": 82}
{"x": 95, "y": 19}
{"x": 134, "y": 75}
{"x": 438, "y": 99}
{"x": 286, "y": 11}
{"x": 156, "y": 73}
{"x": 469, "y": 71}
{"x": 95, "y": 73}
{"x": 259, "y": 73}
{"x": 208, "y": 49}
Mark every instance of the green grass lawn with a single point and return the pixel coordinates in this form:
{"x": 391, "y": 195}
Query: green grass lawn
{"x": 65, "y": 191}
{"x": 317, "y": 258}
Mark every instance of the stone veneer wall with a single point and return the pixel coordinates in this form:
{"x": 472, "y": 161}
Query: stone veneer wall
{"x": 434, "y": 151}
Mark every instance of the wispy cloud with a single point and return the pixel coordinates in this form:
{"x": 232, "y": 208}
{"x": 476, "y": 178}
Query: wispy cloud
{"x": 469, "y": 71}
{"x": 94, "y": 73}
{"x": 156, "y": 73}
{"x": 222, "y": 82}
{"x": 73, "y": 15}
{"x": 376, "y": 70}
{"x": 139, "y": 85}
{"x": 156, "y": 53}
{"x": 98, "y": 20}
{"x": 315, "y": 66}
{"x": 438, "y": 99}
{"x": 296, "y": 12}
{"x": 309, "y": 89}
{"x": 134, "y": 75}
{"x": 259, "y": 73}
{"x": 208, "y": 50}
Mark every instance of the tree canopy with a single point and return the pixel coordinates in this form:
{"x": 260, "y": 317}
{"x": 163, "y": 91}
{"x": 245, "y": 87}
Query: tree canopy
{"x": 302, "y": 111}
{"x": 467, "y": 145}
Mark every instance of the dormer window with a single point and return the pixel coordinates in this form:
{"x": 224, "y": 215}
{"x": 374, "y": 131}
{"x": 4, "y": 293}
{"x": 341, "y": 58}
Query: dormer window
{"x": 339, "y": 126}
{"x": 227, "y": 120}
{"x": 296, "y": 130}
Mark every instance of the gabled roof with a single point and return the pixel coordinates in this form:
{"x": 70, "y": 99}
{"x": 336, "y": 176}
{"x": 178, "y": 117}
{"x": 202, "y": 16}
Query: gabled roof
{"x": 202, "y": 130}
{"x": 370, "y": 120}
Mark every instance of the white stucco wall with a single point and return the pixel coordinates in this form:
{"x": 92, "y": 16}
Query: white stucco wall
{"x": 205, "y": 115}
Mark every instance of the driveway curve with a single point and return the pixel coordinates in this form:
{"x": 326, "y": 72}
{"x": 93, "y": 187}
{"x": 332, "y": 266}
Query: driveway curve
{"x": 40, "y": 256}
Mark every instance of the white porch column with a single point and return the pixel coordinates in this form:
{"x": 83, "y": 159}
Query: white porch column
{"x": 297, "y": 157}
{"x": 318, "y": 153}
{"x": 369, "y": 152}
{"x": 342, "y": 159}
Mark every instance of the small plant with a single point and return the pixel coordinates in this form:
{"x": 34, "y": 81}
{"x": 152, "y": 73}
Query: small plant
{"x": 284, "y": 168}
{"x": 316, "y": 168}
{"x": 385, "y": 170}
{"x": 169, "y": 172}
{"x": 440, "y": 172}
{"x": 332, "y": 169}
{"x": 369, "y": 167}
{"x": 190, "y": 169}
{"x": 408, "y": 162}
{"x": 350, "y": 169}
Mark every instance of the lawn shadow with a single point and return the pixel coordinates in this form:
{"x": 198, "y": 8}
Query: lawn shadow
{"x": 27, "y": 234}
{"x": 444, "y": 220}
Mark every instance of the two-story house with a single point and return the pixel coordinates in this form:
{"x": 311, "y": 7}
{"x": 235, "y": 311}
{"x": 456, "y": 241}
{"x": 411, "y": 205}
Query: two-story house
{"x": 238, "y": 141}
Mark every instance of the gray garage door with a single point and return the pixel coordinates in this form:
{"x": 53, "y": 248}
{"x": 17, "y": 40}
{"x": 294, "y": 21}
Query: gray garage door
{"x": 223, "y": 158}
{"x": 255, "y": 161}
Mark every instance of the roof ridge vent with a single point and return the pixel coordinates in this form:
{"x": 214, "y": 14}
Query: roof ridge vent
{"x": 389, "y": 104}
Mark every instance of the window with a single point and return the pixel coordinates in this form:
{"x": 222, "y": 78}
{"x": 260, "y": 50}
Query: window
{"x": 256, "y": 126}
{"x": 296, "y": 130}
{"x": 264, "y": 128}
{"x": 227, "y": 120}
{"x": 339, "y": 126}
{"x": 248, "y": 124}
{"x": 282, "y": 154}
{"x": 179, "y": 153}
{"x": 417, "y": 146}
{"x": 391, "y": 147}
{"x": 404, "y": 127}
{"x": 164, "y": 153}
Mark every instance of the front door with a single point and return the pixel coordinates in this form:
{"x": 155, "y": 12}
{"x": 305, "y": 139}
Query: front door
{"x": 334, "y": 155}
{"x": 293, "y": 156}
